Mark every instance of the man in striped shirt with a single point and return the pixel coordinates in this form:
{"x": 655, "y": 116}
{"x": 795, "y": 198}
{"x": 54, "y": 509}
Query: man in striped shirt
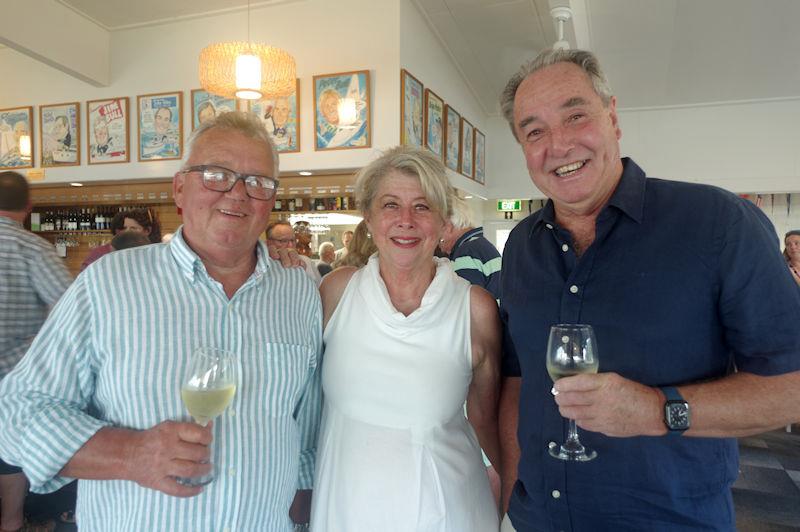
{"x": 33, "y": 278}
{"x": 98, "y": 396}
{"x": 474, "y": 258}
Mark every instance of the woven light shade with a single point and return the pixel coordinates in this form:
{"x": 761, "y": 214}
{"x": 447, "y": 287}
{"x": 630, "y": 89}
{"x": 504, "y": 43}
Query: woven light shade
{"x": 218, "y": 68}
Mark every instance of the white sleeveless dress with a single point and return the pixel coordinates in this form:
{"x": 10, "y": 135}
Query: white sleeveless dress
{"x": 395, "y": 451}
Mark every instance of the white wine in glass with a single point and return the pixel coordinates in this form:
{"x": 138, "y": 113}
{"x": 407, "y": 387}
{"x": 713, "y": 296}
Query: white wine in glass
{"x": 207, "y": 390}
{"x": 571, "y": 350}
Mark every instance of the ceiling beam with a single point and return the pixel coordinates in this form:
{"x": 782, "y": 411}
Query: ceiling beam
{"x": 62, "y": 39}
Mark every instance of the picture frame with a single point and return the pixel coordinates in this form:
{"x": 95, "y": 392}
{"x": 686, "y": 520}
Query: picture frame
{"x": 452, "y": 139}
{"x": 107, "y": 131}
{"x": 480, "y": 157}
{"x": 281, "y": 118}
{"x": 333, "y": 129}
{"x": 60, "y": 134}
{"x": 434, "y": 123}
{"x": 160, "y": 126}
{"x": 411, "y": 110}
{"x": 16, "y": 125}
{"x": 467, "y": 148}
{"x": 206, "y": 106}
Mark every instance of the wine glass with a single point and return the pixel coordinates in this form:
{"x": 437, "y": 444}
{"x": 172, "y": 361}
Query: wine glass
{"x": 207, "y": 389}
{"x": 571, "y": 349}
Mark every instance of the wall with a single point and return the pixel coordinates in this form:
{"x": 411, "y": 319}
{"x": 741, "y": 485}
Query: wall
{"x": 422, "y": 54}
{"x": 324, "y": 37}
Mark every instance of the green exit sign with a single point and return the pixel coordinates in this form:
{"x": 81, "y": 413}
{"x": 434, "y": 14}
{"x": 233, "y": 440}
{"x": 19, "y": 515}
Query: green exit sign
{"x": 509, "y": 205}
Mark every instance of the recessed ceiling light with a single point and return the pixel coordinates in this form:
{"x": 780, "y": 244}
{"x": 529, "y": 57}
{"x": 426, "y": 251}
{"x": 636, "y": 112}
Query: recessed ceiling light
{"x": 467, "y": 197}
{"x": 305, "y": 172}
{"x": 76, "y": 184}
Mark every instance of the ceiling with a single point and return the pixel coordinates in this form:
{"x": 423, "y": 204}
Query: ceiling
{"x": 655, "y": 52}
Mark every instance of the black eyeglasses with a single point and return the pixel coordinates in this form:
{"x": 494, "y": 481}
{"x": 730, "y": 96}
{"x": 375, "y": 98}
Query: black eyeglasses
{"x": 220, "y": 179}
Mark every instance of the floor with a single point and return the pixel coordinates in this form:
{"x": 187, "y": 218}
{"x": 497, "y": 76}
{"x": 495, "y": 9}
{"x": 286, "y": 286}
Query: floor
{"x": 767, "y": 492}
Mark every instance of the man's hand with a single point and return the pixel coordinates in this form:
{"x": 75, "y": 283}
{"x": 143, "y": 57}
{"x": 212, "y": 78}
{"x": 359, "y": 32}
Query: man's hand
{"x": 289, "y": 257}
{"x": 168, "y": 450}
{"x": 612, "y": 405}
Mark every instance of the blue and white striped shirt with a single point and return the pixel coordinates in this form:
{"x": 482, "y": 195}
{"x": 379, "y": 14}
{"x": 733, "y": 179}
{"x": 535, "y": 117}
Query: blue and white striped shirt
{"x": 113, "y": 353}
{"x": 32, "y": 278}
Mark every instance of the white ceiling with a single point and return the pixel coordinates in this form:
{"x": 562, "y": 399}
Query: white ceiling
{"x": 655, "y": 52}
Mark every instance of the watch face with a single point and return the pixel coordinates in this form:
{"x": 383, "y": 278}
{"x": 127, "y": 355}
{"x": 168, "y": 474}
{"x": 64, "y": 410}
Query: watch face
{"x": 678, "y": 416}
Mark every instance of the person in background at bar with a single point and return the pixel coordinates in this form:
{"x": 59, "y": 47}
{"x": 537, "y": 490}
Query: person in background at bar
{"x": 347, "y": 236}
{"x": 137, "y": 220}
{"x": 129, "y": 239}
{"x": 474, "y": 258}
{"x": 359, "y": 248}
{"x": 694, "y": 312}
{"x": 97, "y": 397}
{"x": 280, "y": 235}
{"x": 327, "y": 254}
{"x": 791, "y": 253}
{"x": 33, "y": 279}
{"x": 406, "y": 342}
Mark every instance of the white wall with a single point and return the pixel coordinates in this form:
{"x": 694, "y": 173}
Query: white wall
{"x": 422, "y": 54}
{"x": 324, "y": 37}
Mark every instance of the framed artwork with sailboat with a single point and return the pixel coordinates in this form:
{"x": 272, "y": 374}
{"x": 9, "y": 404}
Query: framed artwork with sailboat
{"x": 342, "y": 111}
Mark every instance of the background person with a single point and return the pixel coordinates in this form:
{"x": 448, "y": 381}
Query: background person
{"x": 791, "y": 253}
{"x": 104, "y": 373}
{"x": 327, "y": 254}
{"x": 136, "y": 220}
{"x": 33, "y": 279}
{"x": 359, "y": 248}
{"x": 280, "y": 235}
{"x": 474, "y": 258}
{"x": 347, "y": 236}
{"x": 681, "y": 282}
{"x": 406, "y": 342}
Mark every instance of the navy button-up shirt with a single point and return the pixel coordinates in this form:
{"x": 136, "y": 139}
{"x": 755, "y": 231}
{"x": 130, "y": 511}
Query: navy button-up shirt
{"x": 683, "y": 283}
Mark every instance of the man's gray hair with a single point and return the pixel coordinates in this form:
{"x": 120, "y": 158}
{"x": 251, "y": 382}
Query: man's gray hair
{"x": 247, "y": 124}
{"x": 587, "y": 61}
{"x": 461, "y": 217}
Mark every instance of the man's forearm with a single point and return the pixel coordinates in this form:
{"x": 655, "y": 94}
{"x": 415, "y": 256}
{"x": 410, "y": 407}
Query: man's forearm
{"x": 103, "y": 457}
{"x": 742, "y": 404}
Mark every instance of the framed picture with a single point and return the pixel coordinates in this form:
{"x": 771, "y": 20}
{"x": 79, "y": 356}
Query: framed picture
{"x": 160, "y": 126}
{"x": 480, "y": 157}
{"x": 107, "y": 131}
{"x": 60, "y": 134}
{"x": 411, "y": 129}
{"x": 467, "y": 145}
{"x": 281, "y": 117}
{"x": 342, "y": 111}
{"x": 452, "y": 138}
{"x": 434, "y": 120}
{"x": 16, "y": 137}
{"x": 206, "y": 106}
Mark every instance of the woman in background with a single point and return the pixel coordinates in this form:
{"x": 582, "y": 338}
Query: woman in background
{"x": 359, "y": 249}
{"x": 139, "y": 220}
{"x": 406, "y": 341}
{"x": 791, "y": 251}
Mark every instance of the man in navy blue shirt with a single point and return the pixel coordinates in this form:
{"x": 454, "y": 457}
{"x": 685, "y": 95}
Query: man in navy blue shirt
{"x": 693, "y": 309}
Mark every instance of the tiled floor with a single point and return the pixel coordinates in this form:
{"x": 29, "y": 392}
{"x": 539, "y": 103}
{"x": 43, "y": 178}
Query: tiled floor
{"x": 767, "y": 492}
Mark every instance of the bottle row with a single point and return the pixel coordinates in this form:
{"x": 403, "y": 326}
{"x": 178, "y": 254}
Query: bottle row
{"x": 338, "y": 203}
{"x": 70, "y": 219}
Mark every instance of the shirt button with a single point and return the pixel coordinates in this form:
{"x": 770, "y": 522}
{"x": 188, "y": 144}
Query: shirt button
{"x": 232, "y": 412}
{"x": 552, "y": 445}
{"x": 549, "y": 226}
{"x": 226, "y": 529}
{"x": 556, "y": 494}
{"x": 565, "y": 248}
{"x": 232, "y": 472}
{"x": 573, "y": 289}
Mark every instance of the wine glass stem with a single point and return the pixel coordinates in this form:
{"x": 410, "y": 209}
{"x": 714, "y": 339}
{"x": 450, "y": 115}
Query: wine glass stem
{"x": 572, "y": 435}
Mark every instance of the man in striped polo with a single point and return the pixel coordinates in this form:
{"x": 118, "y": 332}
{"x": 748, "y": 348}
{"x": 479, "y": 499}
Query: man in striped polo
{"x": 474, "y": 258}
{"x": 98, "y": 395}
{"x": 33, "y": 278}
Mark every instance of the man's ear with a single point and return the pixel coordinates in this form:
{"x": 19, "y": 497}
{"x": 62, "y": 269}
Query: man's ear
{"x": 177, "y": 188}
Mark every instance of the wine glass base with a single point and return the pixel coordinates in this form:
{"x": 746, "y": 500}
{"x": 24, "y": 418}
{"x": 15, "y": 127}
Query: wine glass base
{"x": 582, "y": 455}
{"x": 195, "y": 481}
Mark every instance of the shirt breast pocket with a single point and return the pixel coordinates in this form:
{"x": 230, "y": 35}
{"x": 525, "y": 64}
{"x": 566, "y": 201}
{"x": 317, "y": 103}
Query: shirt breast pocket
{"x": 285, "y": 374}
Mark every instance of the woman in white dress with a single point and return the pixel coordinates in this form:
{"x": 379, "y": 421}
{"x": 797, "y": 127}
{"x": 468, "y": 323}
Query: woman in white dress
{"x": 406, "y": 342}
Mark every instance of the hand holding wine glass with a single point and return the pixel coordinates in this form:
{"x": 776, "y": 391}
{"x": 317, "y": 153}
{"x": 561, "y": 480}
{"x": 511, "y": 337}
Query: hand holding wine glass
{"x": 571, "y": 349}
{"x": 207, "y": 389}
